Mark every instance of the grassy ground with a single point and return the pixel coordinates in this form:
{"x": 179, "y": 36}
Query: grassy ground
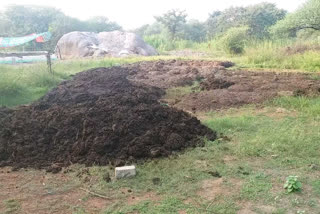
{"x": 242, "y": 172}
{"x": 23, "y": 84}
{"x": 299, "y": 54}
{"x": 296, "y": 55}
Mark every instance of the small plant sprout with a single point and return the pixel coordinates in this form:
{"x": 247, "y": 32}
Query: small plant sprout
{"x": 292, "y": 184}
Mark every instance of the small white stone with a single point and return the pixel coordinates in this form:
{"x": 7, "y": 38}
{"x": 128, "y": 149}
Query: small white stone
{"x": 125, "y": 171}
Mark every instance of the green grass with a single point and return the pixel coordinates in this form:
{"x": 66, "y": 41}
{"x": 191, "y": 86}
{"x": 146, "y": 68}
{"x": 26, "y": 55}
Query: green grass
{"x": 304, "y": 55}
{"x": 266, "y": 147}
{"x": 305, "y": 105}
{"x": 12, "y": 206}
{"x": 164, "y": 44}
{"x": 292, "y": 138}
{"x": 175, "y": 205}
{"x": 23, "y": 84}
{"x": 275, "y": 55}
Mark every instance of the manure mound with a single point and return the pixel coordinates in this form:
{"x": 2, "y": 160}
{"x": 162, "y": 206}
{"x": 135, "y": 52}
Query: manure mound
{"x": 97, "y": 118}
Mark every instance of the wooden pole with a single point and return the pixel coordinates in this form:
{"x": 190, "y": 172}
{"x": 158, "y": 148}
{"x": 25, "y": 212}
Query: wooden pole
{"x": 49, "y": 62}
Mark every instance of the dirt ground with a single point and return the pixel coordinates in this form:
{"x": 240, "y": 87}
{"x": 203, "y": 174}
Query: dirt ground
{"x": 97, "y": 118}
{"x": 35, "y": 191}
{"x": 81, "y": 120}
{"x": 221, "y": 88}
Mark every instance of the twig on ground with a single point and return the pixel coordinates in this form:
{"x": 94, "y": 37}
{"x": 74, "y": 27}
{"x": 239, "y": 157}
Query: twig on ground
{"x": 95, "y": 194}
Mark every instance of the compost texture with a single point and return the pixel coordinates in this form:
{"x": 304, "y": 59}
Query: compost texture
{"x": 218, "y": 87}
{"x": 97, "y": 118}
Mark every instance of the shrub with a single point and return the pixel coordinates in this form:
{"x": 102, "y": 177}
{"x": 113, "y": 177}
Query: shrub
{"x": 234, "y": 40}
{"x": 162, "y": 43}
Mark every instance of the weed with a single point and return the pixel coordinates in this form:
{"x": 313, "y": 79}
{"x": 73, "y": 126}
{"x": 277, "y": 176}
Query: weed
{"x": 293, "y": 184}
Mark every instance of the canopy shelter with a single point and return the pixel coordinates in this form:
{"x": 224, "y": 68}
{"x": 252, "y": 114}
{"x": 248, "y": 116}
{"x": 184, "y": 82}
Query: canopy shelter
{"x": 18, "y": 57}
{"x": 8, "y": 42}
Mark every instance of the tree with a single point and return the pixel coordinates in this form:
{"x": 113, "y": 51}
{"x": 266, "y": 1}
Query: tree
{"x": 258, "y": 18}
{"x": 4, "y": 25}
{"x": 306, "y": 17}
{"x": 100, "y": 24}
{"x": 147, "y": 30}
{"x": 29, "y": 19}
{"x": 20, "y": 20}
{"x": 261, "y": 17}
{"x": 23, "y": 20}
{"x": 194, "y": 30}
{"x": 173, "y": 20}
{"x": 212, "y": 23}
{"x": 220, "y": 21}
{"x": 61, "y": 25}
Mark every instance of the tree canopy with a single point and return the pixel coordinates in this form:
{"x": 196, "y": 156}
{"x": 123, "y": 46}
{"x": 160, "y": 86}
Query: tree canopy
{"x": 173, "y": 20}
{"x": 258, "y": 18}
{"x": 20, "y": 20}
{"x": 306, "y": 17}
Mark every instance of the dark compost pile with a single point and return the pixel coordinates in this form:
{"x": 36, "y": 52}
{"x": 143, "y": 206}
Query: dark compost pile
{"x": 97, "y": 118}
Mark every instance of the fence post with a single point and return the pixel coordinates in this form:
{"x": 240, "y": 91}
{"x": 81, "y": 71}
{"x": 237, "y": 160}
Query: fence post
{"x": 49, "y": 62}
{"x": 13, "y": 60}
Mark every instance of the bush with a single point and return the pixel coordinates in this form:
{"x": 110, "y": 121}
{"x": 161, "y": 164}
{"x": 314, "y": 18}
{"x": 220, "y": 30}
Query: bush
{"x": 234, "y": 40}
{"x": 163, "y": 43}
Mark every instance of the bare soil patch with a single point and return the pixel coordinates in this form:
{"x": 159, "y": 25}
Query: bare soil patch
{"x": 212, "y": 189}
{"x": 226, "y": 89}
{"x": 221, "y": 88}
{"x": 174, "y": 73}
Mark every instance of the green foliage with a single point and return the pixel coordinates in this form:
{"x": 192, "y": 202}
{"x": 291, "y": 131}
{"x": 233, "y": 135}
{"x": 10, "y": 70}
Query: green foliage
{"x": 160, "y": 42}
{"x": 306, "y": 17}
{"x": 292, "y": 184}
{"x": 258, "y": 18}
{"x": 173, "y": 20}
{"x": 153, "y": 29}
{"x": 12, "y": 206}
{"x": 273, "y": 54}
{"x": 20, "y": 20}
{"x": 221, "y": 21}
{"x": 234, "y": 40}
{"x": 100, "y": 24}
{"x": 194, "y": 31}
{"x": 261, "y": 17}
{"x": 163, "y": 43}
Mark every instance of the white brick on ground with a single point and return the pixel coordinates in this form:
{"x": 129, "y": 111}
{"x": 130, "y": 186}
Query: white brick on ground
{"x": 125, "y": 171}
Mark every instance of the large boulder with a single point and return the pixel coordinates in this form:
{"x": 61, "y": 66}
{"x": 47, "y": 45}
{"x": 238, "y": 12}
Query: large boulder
{"x": 115, "y": 43}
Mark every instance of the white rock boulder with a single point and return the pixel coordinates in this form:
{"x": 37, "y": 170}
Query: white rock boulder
{"x": 115, "y": 43}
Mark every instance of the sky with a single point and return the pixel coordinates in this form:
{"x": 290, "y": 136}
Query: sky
{"x": 134, "y": 13}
